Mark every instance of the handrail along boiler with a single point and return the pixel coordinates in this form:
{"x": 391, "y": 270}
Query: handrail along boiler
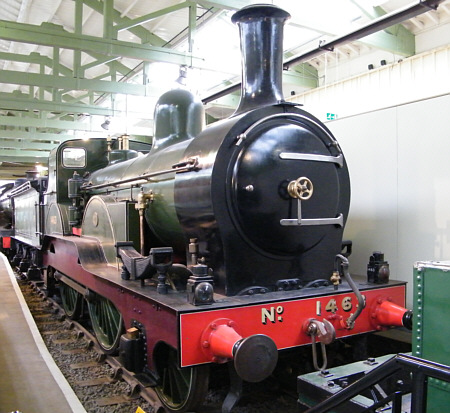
{"x": 217, "y": 244}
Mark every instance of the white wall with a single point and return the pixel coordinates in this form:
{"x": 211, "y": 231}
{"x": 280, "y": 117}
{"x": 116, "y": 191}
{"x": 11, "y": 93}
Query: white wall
{"x": 431, "y": 39}
{"x": 393, "y": 124}
{"x": 418, "y": 77}
{"x": 399, "y": 162}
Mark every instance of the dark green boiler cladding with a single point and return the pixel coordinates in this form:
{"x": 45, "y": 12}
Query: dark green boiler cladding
{"x": 178, "y": 118}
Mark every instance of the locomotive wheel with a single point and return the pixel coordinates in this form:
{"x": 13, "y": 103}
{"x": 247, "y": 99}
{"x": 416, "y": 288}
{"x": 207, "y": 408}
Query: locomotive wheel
{"x": 180, "y": 389}
{"x": 106, "y": 322}
{"x": 71, "y": 301}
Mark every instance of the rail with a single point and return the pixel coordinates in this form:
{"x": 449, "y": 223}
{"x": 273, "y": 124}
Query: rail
{"x": 420, "y": 370}
{"x": 185, "y": 166}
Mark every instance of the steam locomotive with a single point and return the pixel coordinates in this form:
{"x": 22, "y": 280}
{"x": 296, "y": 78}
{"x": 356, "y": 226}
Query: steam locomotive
{"x": 212, "y": 245}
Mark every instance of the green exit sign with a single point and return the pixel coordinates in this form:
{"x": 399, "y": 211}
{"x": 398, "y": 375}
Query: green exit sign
{"x": 331, "y": 116}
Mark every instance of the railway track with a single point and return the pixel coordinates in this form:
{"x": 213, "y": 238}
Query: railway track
{"x": 100, "y": 382}
{"x": 104, "y": 386}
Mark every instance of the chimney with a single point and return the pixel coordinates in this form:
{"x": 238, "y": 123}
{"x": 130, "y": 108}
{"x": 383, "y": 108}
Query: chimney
{"x": 261, "y": 34}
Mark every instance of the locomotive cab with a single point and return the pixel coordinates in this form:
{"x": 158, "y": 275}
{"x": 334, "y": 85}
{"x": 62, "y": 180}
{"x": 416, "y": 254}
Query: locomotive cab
{"x": 70, "y": 164}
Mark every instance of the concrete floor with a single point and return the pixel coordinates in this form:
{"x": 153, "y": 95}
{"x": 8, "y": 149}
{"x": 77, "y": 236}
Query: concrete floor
{"x": 30, "y": 381}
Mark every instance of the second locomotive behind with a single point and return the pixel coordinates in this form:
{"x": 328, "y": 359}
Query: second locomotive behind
{"x": 215, "y": 245}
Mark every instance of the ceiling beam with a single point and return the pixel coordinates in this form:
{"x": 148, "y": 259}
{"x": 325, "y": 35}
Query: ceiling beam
{"x": 126, "y": 25}
{"x": 42, "y": 159}
{"x": 12, "y": 101}
{"x": 55, "y": 105}
{"x": 302, "y": 75}
{"x": 16, "y": 57}
{"x": 402, "y": 43}
{"x": 228, "y": 101}
{"x": 63, "y": 82}
{"x": 145, "y": 35}
{"x": 63, "y": 78}
{"x": 8, "y": 144}
{"x": 52, "y": 35}
{"x": 16, "y": 134}
{"x": 23, "y": 159}
{"x": 373, "y": 27}
{"x": 10, "y": 154}
{"x": 47, "y": 123}
{"x": 225, "y": 4}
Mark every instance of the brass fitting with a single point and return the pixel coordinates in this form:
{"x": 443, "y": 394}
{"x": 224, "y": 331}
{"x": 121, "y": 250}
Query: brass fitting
{"x": 144, "y": 200}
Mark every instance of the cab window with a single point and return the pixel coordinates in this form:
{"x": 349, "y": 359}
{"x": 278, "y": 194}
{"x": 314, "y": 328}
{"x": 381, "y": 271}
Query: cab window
{"x": 74, "y": 157}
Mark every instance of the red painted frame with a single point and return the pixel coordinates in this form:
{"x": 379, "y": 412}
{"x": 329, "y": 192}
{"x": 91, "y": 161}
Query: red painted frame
{"x": 182, "y": 326}
{"x": 6, "y": 242}
{"x": 159, "y": 321}
{"x": 285, "y": 321}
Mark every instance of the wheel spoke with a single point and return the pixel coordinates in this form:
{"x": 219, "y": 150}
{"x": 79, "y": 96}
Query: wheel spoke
{"x": 181, "y": 389}
{"x": 106, "y": 322}
{"x": 71, "y": 300}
